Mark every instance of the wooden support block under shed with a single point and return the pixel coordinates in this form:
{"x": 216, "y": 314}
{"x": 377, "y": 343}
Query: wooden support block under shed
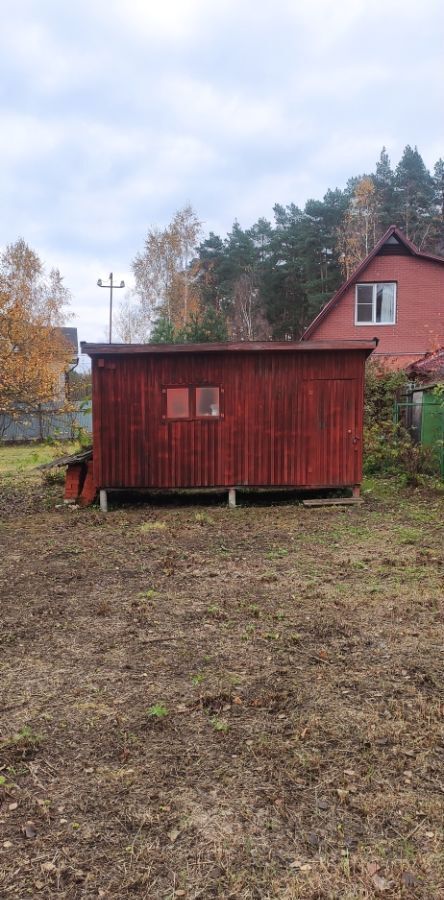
{"x": 334, "y": 501}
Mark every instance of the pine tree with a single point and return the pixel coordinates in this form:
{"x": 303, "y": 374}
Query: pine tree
{"x": 438, "y": 204}
{"x": 321, "y": 256}
{"x": 163, "y": 331}
{"x": 284, "y": 288}
{"x": 206, "y": 326}
{"x": 209, "y": 272}
{"x": 414, "y": 196}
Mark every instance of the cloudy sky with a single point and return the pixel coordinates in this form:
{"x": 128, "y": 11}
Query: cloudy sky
{"x": 114, "y": 113}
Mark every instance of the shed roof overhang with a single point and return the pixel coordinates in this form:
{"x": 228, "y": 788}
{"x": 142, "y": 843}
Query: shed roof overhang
{"x": 245, "y": 347}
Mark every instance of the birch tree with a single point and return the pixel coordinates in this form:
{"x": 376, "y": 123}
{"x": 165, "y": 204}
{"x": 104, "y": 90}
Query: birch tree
{"x": 33, "y": 352}
{"x": 161, "y": 270}
{"x": 358, "y": 232}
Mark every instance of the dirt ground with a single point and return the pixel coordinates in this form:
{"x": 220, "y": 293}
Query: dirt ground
{"x": 200, "y": 702}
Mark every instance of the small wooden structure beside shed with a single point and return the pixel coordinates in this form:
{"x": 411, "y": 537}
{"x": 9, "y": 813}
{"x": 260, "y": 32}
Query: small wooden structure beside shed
{"x": 281, "y": 415}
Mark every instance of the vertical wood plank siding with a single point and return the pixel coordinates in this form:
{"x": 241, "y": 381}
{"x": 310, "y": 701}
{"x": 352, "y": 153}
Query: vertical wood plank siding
{"x": 288, "y": 419}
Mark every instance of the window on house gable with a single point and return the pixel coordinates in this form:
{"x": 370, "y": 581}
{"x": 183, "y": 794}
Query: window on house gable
{"x": 376, "y": 303}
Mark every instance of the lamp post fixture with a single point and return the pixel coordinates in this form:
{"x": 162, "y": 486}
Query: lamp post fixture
{"x": 111, "y": 285}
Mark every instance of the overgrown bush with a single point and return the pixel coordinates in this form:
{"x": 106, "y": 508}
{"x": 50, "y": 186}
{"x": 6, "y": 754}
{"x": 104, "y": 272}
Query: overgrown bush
{"x": 388, "y": 447}
{"x": 390, "y": 450}
{"x": 382, "y": 386}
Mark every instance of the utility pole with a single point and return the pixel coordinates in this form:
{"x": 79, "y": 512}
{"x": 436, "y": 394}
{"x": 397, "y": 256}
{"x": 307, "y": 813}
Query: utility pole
{"x": 111, "y": 285}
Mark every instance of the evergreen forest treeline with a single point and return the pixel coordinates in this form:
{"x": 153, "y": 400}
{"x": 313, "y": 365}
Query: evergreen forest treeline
{"x": 270, "y": 280}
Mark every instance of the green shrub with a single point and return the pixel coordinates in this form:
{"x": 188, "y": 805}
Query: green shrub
{"x": 382, "y": 387}
{"x": 388, "y": 446}
{"x": 390, "y": 450}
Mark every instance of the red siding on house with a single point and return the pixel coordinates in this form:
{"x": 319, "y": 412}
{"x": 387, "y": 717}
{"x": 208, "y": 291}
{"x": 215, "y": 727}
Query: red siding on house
{"x": 419, "y": 323}
{"x": 289, "y": 417}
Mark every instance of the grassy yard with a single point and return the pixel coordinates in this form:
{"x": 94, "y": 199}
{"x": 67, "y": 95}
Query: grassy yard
{"x": 199, "y": 702}
{"x": 21, "y": 459}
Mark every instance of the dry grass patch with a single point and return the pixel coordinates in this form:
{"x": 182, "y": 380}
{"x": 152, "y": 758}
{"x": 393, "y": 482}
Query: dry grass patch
{"x": 245, "y": 705}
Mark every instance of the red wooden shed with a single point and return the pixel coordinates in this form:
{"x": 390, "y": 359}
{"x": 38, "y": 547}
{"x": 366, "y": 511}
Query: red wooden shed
{"x": 228, "y": 415}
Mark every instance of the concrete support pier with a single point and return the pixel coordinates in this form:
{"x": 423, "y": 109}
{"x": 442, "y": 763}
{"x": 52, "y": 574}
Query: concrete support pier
{"x": 103, "y": 501}
{"x": 232, "y": 498}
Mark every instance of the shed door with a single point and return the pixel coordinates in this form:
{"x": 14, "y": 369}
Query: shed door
{"x": 332, "y": 437}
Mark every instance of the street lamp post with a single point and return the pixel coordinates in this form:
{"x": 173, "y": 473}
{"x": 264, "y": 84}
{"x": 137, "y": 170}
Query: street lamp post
{"x": 111, "y": 285}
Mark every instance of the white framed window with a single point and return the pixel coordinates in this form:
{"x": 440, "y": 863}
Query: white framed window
{"x": 376, "y": 303}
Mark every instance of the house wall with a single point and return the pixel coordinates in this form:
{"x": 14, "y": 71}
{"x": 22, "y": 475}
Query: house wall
{"x": 292, "y": 418}
{"x": 419, "y": 323}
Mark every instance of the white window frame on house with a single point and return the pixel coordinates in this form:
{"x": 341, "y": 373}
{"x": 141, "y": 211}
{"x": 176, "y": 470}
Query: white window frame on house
{"x": 375, "y": 285}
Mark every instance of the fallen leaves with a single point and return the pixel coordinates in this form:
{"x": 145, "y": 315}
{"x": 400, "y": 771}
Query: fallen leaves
{"x": 303, "y": 867}
{"x": 29, "y": 830}
{"x": 408, "y": 880}
{"x": 48, "y": 868}
{"x": 381, "y": 884}
{"x": 173, "y": 834}
{"x": 306, "y": 777}
{"x": 313, "y": 839}
{"x": 373, "y": 867}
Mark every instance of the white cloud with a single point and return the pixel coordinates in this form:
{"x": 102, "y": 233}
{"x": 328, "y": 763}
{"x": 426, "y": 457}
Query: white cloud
{"x": 28, "y": 138}
{"x": 174, "y": 20}
{"x": 52, "y": 66}
{"x": 90, "y": 304}
{"x": 116, "y": 113}
{"x": 236, "y": 114}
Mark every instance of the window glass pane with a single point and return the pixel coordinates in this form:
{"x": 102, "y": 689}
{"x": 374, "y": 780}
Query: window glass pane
{"x": 365, "y": 312}
{"x": 178, "y": 403}
{"x": 207, "y": 401}
{"x": 364, "y": 308}
{"x": 385, "y": 303}
{"x": 365, "y": 293}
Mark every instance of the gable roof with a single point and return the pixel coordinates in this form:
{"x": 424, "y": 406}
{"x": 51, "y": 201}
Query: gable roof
{"x": 70, "y": 335}
{"x": 393, "y": 235}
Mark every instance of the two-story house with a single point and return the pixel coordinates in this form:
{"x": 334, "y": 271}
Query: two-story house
{"x": 397, "y": 295}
